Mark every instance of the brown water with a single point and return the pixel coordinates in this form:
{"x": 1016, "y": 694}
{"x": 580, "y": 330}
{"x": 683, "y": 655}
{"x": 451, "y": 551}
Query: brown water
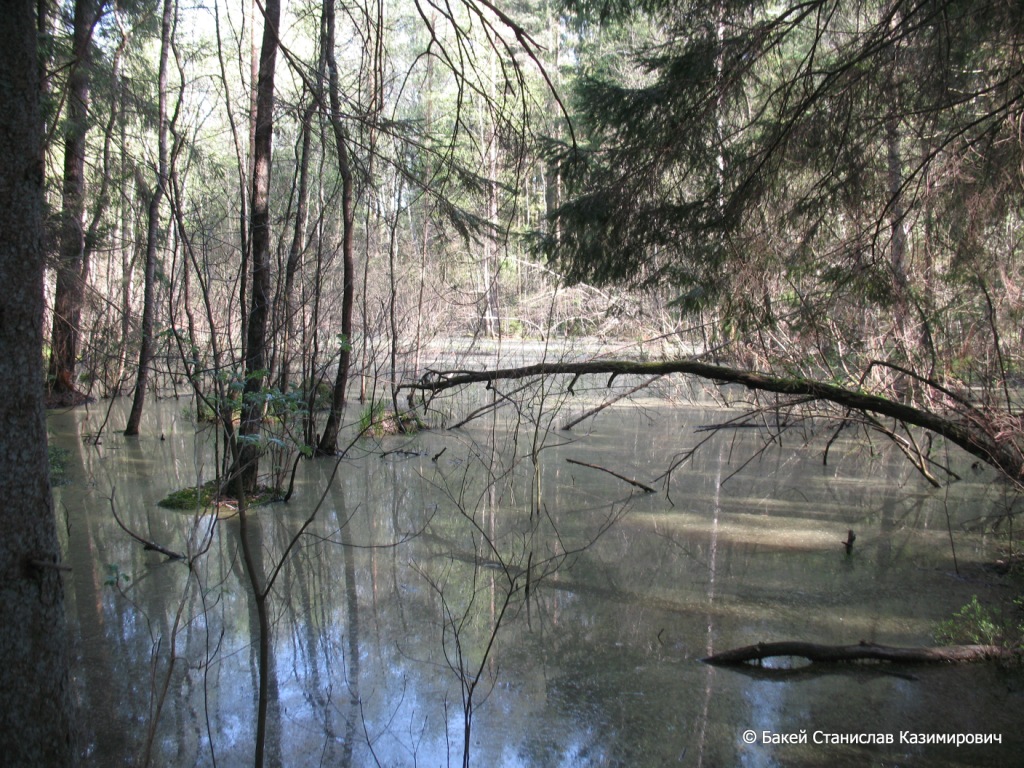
{"x": 395, "y": 590}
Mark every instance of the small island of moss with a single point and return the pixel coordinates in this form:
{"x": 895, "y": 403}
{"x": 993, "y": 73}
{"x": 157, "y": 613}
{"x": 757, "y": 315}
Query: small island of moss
{"x": 212, "y": 495}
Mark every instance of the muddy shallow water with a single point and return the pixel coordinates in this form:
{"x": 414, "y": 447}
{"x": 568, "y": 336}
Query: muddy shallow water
{"x": 384, "y": 611}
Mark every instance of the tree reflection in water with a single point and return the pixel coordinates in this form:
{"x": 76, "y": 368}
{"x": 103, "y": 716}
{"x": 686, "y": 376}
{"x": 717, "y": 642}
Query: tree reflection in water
{"x": 602, "y": 669}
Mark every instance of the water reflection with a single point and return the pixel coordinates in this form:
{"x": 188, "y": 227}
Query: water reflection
{"x": 398, "y": 584}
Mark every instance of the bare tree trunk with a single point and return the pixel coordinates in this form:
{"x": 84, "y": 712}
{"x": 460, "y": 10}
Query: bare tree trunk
{"x": 425, "y": 233}
{"x": 490, "y": 267}
{"x": 72, "y": 267}
{"x": 898, "y": 243}
{"x": 255, "y": 81}
{"x": 329, "y": 440}
{"x": 246, "y": 469}
{"x": 298, "y": 245}
{"x": 241, "y": 159}
{"x": 295, "y": 252}
{"x": 896, "y": 207}
{"x": 153, "y": 231}
{"x": 35, "y": 704}
{"x": 311, "y": 325}
{"x": 374, "y": 53}
{"x": 126, "y": 239}
{"x": 93, "y": 236}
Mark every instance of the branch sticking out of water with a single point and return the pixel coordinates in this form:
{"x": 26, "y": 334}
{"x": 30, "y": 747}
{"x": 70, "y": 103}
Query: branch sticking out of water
{"x": 636, "y": 483}
{"x": 146, "y": 543}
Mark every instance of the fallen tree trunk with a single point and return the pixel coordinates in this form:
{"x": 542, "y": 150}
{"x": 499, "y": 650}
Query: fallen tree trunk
{"x": 861, "y": 652}
{"x": 996, "y": 447}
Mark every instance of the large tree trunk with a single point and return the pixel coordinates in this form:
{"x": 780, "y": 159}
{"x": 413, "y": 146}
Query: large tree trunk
{"x": 246, "y": 469}
{"x": 35, "y": 706}
{"x": 72, "y": 267}
{"x": 152, "y": 233}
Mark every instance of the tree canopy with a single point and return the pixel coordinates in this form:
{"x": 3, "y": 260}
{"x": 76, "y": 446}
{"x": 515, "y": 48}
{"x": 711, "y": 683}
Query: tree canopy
{"x": 829, "y": 185}
{"x": 805, "y": 189}
{"x": 797, "y": 165}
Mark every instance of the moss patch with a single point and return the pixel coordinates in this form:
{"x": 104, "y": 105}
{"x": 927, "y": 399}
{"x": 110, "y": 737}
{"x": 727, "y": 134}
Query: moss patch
{"x": 209, "y": 495}
{"x": 378, "y": 421}
{"x": 190, "y": 498}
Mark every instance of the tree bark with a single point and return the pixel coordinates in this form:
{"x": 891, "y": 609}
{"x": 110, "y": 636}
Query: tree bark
{"x": 72, "y": 268}
{"x": 329, "y": 440}
{"x": 35, "y": 704}
{"x": 246, "y": 469}
{"x": 967, "y": 429}
{"x": 298, "y": 247}
{"x": 861, "y": 652}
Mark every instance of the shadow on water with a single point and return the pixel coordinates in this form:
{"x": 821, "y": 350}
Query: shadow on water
{"x": 601, "y": 667}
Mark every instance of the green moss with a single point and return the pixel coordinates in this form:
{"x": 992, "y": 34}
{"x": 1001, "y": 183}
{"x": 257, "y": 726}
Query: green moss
{"x": 378, "y": 420}
{"x": 208, "y": 494}
{"x": 191, "y": 498}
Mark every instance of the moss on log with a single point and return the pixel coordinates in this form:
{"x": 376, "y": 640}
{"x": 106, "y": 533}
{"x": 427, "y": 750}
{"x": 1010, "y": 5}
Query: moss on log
{"x": 970, "y": 434}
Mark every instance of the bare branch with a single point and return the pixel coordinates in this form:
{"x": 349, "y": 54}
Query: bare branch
{"x": 636, "y": 483}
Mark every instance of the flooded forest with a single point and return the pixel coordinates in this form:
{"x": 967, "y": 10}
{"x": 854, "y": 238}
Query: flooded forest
{"x": 545, "y": 383}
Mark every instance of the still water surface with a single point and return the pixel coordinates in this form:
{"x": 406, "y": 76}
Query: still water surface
{"x": 384, "y": 613}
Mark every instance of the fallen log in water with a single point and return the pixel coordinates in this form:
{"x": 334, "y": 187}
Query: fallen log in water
{"x": 862, "y": 652}
{"x": 967, "y": 424}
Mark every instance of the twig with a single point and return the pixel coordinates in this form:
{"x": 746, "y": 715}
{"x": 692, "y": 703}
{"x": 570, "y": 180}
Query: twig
{"x": 492, "y": 406}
